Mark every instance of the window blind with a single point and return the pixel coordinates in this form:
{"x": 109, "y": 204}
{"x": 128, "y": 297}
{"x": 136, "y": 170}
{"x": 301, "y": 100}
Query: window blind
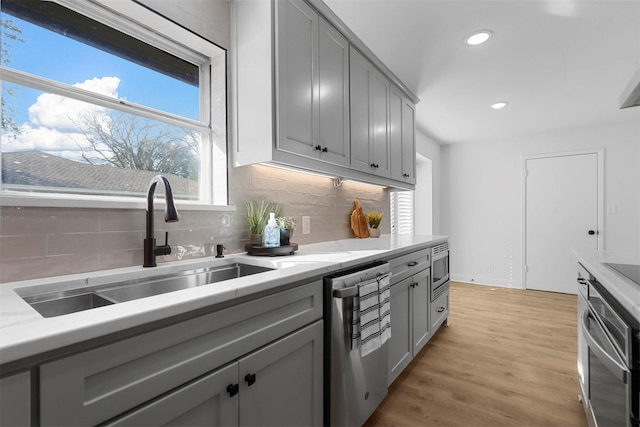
{"x": 402, "y": 212}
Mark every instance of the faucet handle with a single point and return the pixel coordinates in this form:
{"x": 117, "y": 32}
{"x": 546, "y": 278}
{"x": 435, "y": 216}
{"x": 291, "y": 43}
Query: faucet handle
{"x": 163, "y": 249}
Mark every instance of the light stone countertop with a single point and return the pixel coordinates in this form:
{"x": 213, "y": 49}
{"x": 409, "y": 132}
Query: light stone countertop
{"x": 626, "y": 292}
{"x": 24, "y": 332}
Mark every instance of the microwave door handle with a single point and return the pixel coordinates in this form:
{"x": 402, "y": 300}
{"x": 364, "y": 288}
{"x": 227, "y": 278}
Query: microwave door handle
{"x": 613, "y": 365}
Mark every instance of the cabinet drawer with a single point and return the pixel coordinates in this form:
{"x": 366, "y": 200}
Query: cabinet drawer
{"x": 439, "y": 310}
{"x": 93, "y": 386}
{"x": 410, "y": 264}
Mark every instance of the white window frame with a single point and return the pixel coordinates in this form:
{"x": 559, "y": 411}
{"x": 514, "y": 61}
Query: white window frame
{"x": 127, "y": 16}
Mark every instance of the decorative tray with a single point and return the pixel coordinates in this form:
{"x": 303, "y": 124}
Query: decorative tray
{"x": 277, "y": 251}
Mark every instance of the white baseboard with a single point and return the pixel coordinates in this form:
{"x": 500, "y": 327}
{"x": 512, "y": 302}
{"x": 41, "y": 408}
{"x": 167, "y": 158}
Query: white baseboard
{"x": 486, "y": 281}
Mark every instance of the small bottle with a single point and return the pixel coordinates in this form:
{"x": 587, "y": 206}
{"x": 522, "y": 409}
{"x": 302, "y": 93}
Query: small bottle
{"x": 271, "y": 232}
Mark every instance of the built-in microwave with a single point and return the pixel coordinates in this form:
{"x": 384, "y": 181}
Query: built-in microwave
{"x": 439, "y": 267}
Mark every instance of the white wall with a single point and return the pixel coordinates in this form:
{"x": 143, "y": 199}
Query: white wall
{"x": 482, "y": 198}
{"x": 431, "y": 150}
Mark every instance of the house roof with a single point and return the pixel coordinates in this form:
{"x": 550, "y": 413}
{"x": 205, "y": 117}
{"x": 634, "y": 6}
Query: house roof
{"x": 37, "y": 168}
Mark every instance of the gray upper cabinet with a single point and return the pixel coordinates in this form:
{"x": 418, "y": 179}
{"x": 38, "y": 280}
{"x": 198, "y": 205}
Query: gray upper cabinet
{"x": 313, "y": 85}
{"x": 402, "y": 133}
{"x": 370, "y": 138}
{"x": 293, "y": 103}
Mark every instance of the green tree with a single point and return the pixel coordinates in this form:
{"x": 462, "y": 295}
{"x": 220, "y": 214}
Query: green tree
{"x": 9, "y": 34}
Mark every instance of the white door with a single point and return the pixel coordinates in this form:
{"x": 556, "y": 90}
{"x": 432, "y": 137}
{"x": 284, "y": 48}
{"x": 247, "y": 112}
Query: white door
{"x": 561, "y": 215}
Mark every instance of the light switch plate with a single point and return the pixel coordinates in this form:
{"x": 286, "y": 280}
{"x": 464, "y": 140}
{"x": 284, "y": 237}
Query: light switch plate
{"x": 306, "y": 225}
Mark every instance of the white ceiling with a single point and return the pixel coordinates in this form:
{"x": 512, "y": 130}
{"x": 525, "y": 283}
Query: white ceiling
{"x": 560, "y": 64}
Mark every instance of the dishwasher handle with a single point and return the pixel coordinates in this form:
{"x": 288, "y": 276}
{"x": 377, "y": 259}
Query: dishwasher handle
{"x": 345, "y": 292}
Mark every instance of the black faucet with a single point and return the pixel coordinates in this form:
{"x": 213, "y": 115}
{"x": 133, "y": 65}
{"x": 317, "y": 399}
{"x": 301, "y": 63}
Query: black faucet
{"x": 170, "y": 215}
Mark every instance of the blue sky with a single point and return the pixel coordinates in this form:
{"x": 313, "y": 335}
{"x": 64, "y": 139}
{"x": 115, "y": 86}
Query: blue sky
{"x": 56, "y": 57}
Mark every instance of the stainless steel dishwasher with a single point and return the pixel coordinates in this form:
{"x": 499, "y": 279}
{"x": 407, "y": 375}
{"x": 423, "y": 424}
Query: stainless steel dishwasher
{"x": 354, "y": 385}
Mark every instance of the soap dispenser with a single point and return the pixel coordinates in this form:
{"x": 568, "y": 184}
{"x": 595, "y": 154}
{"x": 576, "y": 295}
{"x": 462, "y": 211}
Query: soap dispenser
{"x": 271, "y": 232}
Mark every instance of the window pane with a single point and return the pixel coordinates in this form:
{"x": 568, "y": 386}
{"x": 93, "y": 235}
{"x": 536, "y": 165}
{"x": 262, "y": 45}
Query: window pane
{"x": 48, "y": 40}
{"x": 66, "y": 145}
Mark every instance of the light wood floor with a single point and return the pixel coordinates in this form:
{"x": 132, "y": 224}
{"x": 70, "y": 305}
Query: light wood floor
{"x": 508, "y": 358}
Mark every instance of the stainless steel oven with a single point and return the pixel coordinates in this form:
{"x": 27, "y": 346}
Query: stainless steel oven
{"x": 607, "y": 357}
{"x": 439, "y": 267}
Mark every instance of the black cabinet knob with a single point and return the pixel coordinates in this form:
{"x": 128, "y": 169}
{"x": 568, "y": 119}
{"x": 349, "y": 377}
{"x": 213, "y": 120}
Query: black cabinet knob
{"x": 591, "y": 232}
{"x": 318, "y": 148}
{"x": 233, "y": 389}
{"x": 325, "y": 149}
{"x": 250, "y": 378}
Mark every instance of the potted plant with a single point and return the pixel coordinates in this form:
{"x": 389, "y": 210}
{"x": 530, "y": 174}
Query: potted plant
{"x": 374, "y": 219}
{"x": 286, "y": 224}
{"x": 257, "y": 217}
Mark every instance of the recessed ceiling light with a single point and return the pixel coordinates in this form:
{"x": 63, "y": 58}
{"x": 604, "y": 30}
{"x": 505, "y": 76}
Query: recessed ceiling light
{"x": 478, "y": 37}
{"x": 499, "y": 105}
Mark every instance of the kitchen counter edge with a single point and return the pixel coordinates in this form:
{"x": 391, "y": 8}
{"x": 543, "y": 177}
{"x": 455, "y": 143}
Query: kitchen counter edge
{"x": 25, "y": 333}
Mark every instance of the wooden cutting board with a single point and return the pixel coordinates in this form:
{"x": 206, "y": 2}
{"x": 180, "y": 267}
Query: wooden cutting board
{"x": 359, "y": 221}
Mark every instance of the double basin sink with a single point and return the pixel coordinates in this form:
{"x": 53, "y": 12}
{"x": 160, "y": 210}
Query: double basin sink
{"x": 53, "y": 304}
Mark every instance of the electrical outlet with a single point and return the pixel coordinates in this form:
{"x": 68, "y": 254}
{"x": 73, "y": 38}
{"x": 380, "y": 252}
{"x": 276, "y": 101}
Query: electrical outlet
{"x": 306, "y": 225}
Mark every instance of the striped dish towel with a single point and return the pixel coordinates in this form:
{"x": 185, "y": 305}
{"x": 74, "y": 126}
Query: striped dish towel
{"x": 384, "y": 292}
{"x": 365, "y": 326}
{"x": 371, "y": 315}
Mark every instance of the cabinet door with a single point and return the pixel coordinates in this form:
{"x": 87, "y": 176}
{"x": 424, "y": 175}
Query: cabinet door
{"x": 281, "y": 384}
{"x": 360, "y": 75}
{"x": 15, "y": 400}
{"x": 379, "y": 139}
{"x": 420, "y": 303}
{"x": 297, "y": 62}
{"x": 333, "y": 64}
{"x": 204, "y": 402}
{"x": 401, "y": 342}
{"x": 402, "y": 137}
{"x": 395, "y": 134}
{"x": 408, "y": 141}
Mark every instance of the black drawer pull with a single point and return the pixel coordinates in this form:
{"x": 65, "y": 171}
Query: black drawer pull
{"x": 440, "y": 309}
{"x": 232, "y": 389}
{"x": 412, "y": 263}
{"x": 250, "y": 378}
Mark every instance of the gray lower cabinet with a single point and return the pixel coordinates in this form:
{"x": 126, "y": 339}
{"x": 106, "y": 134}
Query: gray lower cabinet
{"x": 281, "y": 384}
{"x": 107, "y": 382}
{"x": 278, "y": 385}
{"x": 420, "y": 303}
{"x": 15, "y": 400}
{"x": 439, "y": 311}
{"x": 204, "y": 402}
{"x": 410, "y": 307}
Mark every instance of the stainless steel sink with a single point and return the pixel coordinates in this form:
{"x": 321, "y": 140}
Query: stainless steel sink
{"x": 131, "y": 290}
{"x": 57, "y": 304}
{"x": 65, "y": 302}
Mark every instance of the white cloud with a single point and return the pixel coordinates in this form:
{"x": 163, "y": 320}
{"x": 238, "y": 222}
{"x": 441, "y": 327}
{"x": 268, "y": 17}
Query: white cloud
{"x": 58, "y": 112}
